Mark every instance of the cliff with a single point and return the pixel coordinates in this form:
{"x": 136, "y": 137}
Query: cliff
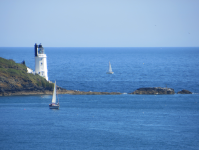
{"x": 154, "y": 90}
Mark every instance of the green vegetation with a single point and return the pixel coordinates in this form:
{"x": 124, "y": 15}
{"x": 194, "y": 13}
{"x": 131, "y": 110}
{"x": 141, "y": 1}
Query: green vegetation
{"x": 4, "y": 63}
{"x": 11, "y": 70}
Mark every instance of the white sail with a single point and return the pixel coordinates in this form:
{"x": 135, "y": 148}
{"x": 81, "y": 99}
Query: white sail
{"x": 54, "y": 94}
{"x": 110, "y": 69}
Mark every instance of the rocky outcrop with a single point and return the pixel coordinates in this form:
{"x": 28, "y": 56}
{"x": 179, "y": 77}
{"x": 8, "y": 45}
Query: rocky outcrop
{"x": 184, "y": 92}
{"x": 154, "y": 90}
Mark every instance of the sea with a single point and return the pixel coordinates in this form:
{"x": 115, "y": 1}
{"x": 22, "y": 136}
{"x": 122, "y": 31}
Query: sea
{"x": 106, "y": 122}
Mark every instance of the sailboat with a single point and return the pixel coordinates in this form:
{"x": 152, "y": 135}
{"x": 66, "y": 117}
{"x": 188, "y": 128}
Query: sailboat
{"x": 54, "y": 105}
{"x": 109, "y": 69}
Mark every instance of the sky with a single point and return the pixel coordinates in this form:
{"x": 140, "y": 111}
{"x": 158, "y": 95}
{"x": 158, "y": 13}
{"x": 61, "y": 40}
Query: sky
{"x": 99, "y": 23}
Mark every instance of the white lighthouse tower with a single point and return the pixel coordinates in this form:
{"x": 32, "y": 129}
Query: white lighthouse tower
{"x": 41, "y": 61}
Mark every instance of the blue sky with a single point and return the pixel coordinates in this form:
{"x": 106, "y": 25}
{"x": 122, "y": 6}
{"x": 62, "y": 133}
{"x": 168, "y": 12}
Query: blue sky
{"x": 99, "y": 23}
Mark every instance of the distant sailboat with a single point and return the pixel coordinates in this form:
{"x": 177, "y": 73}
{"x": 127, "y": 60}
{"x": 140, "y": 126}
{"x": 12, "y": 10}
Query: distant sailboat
{"x": 54, "y": 105}
{"x": 110, "y": 69}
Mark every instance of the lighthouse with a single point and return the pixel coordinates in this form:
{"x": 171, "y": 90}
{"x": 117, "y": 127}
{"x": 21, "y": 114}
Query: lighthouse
{"x": 41, "y": 61}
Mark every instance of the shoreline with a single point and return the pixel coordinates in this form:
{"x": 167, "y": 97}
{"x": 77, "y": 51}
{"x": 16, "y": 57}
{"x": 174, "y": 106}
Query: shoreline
{"x": 140, "y": 91}
{"x": 47, "y": 92}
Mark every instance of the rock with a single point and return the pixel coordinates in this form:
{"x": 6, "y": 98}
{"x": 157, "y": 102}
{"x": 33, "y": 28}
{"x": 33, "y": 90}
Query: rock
{"x": 184, "y": 92}
{"x": 154, "y": 90}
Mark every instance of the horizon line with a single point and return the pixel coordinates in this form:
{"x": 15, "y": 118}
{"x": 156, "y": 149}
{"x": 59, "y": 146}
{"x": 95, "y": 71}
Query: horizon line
{"x": 106, "y": 47}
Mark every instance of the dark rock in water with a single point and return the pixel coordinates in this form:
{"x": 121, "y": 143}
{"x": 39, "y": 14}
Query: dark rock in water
{"x": 154, "y": 90}
{"x": 184, "y": 92}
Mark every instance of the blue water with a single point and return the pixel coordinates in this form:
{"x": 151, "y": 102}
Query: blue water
{"x": 107, "y": 121}
{"x": 85, "y": 68}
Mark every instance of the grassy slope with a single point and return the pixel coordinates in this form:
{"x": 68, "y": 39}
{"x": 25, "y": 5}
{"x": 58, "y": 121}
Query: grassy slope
{"x": 14, "y": 76}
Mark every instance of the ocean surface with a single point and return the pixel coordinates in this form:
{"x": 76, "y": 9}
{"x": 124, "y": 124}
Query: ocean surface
{"x": 112, "y": 122}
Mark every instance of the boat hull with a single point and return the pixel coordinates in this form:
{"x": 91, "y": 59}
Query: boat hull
{"x": 54, "y": 106}
{"x": 109, "y": 72}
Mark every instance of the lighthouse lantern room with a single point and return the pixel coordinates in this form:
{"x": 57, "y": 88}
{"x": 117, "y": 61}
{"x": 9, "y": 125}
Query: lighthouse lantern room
{"x": 41, "y": 61}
